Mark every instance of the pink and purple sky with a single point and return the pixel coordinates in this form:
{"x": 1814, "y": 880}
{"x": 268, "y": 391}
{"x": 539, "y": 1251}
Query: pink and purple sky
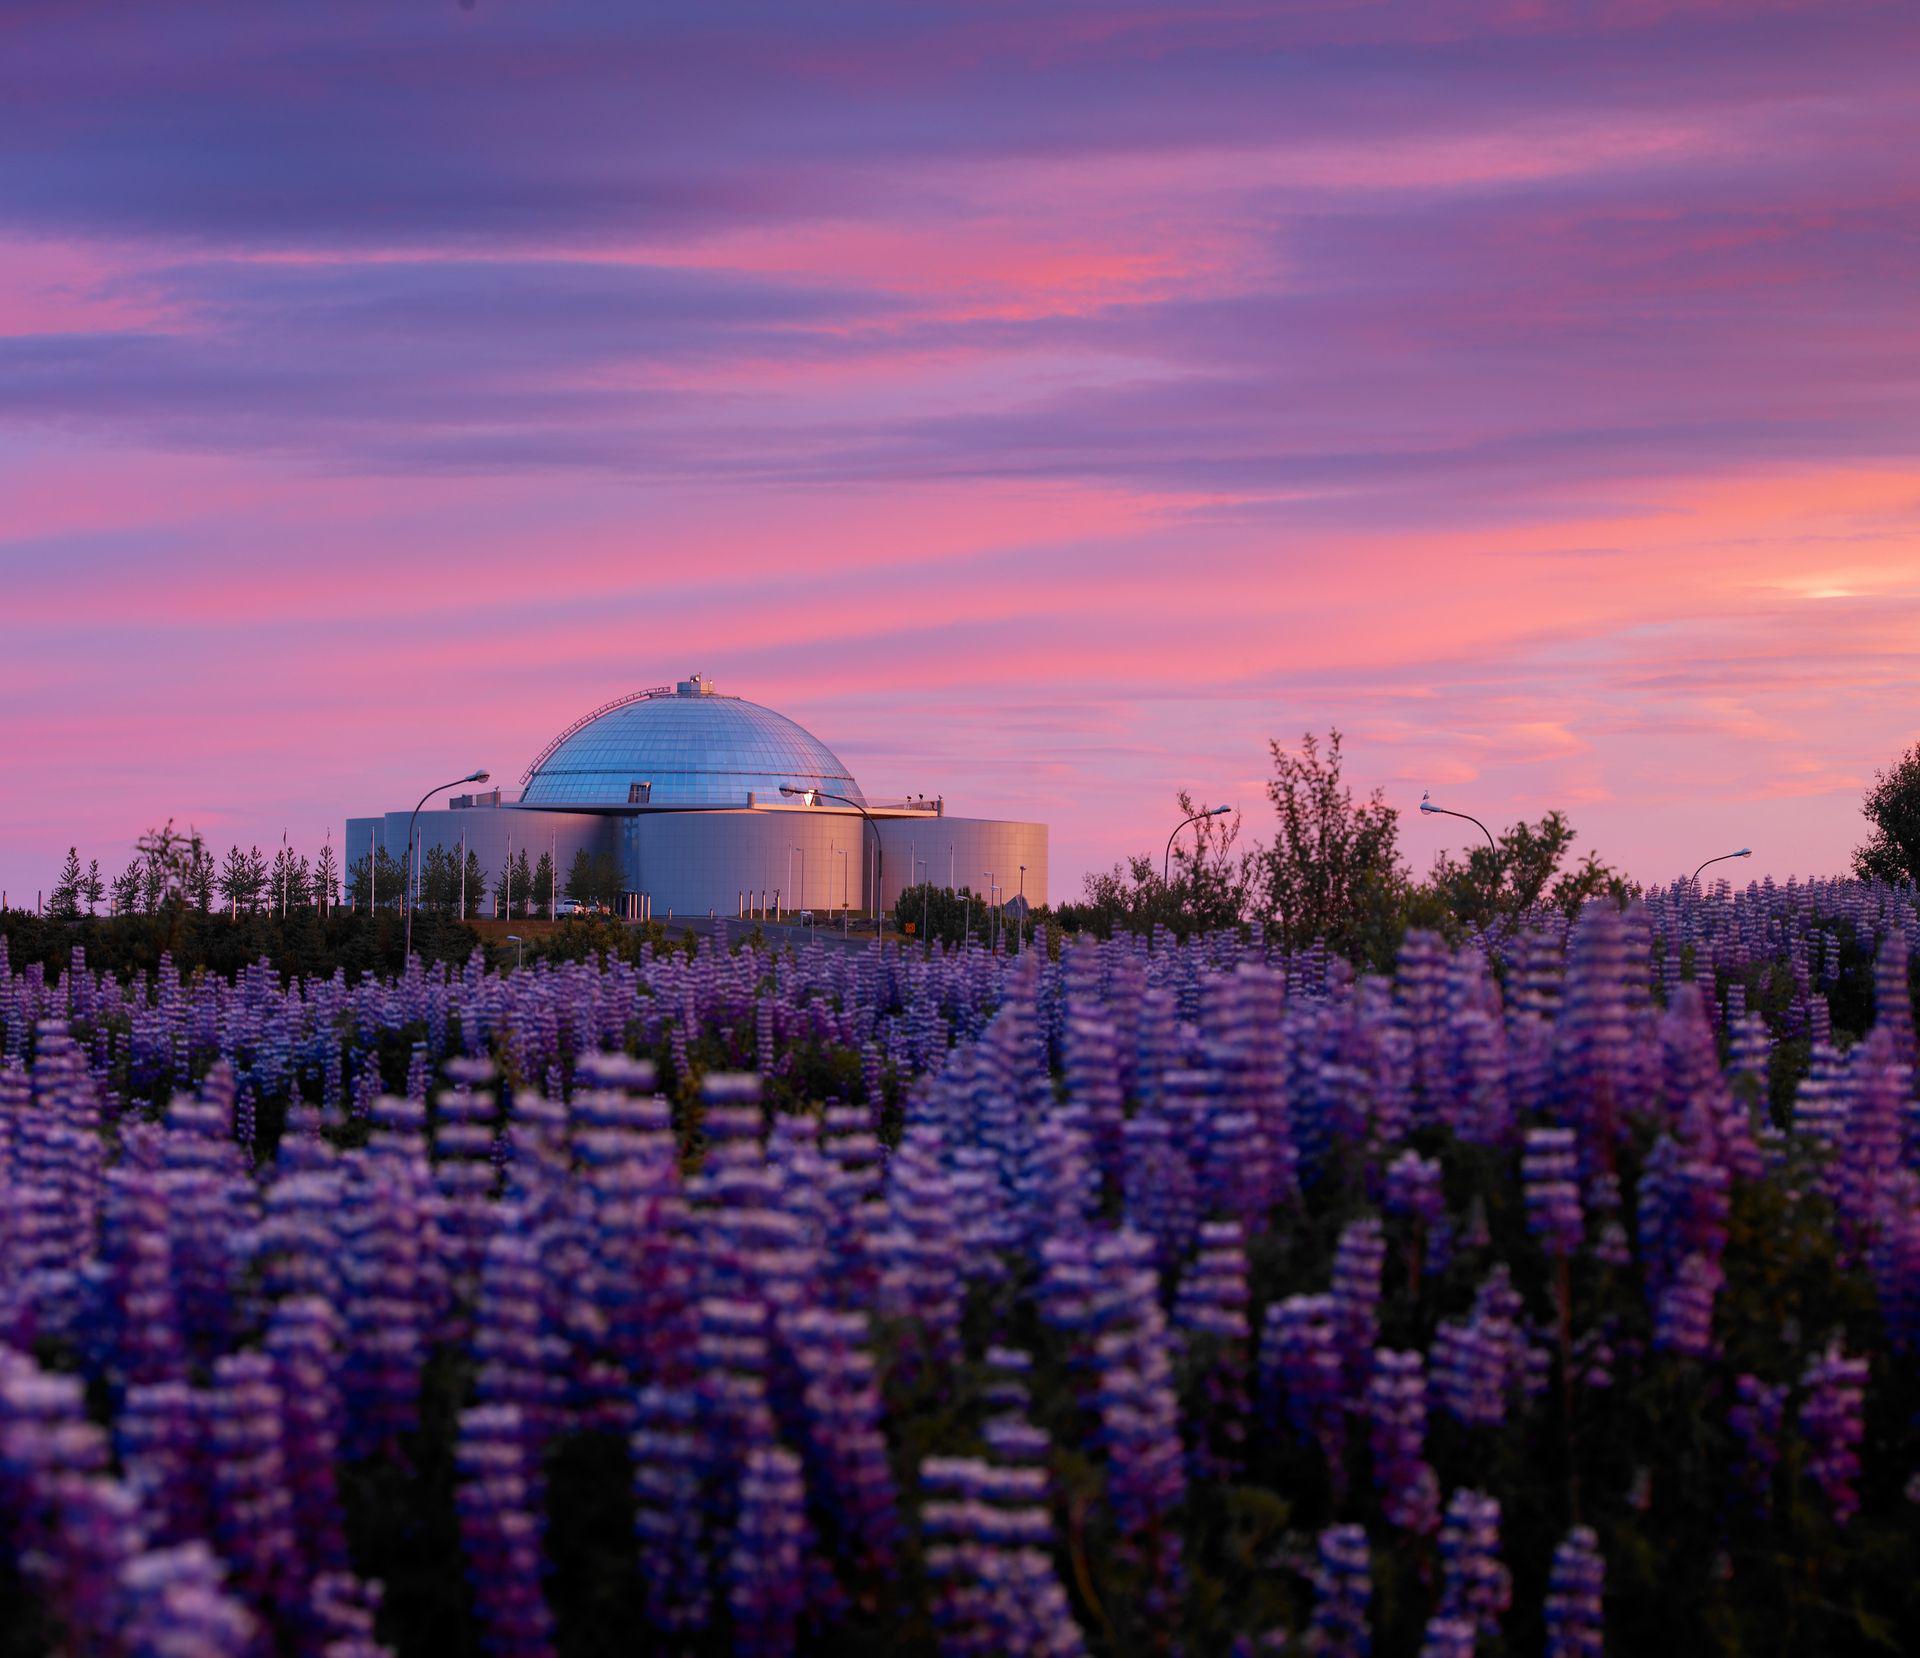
{"x": 1045, "y": 404}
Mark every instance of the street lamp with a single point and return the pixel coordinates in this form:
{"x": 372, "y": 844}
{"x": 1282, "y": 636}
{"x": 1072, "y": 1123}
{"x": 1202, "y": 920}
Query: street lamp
{"x": 519, "y": 949}
{"x": 1744, "y": 852}
{"x": 1432, "y": 810}
{"x": 809, "y": 795}
{"x": 1166, "y": 861}
{"x": 479, "y": 776}
{"x": 993, "y": 938}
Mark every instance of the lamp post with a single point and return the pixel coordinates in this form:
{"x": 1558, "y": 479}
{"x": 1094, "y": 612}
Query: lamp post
{"x": 841, "y": 855}
{"x": 479, "y": 776}
{"x": 993, "y": 938}
{"x": 1432, "y": 810}
{"x": 1744, "y": 852}
{"x": 519, "y": 949}
{"x": 1166, "y": 861}
{"x": 800, "y": 892}
{"x": 810, "y": 795}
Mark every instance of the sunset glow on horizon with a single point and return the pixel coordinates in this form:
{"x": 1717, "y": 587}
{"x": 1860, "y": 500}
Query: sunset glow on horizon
{"x": 1046, "y": 408}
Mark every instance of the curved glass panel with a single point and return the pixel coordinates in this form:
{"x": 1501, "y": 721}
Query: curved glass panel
{"x": 693, "y": 750}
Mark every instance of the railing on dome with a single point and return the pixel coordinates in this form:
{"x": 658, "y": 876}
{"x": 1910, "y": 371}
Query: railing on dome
{"x": 586, "y": 720}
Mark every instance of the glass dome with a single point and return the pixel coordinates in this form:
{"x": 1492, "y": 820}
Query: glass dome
{"x": 683, "y": 746}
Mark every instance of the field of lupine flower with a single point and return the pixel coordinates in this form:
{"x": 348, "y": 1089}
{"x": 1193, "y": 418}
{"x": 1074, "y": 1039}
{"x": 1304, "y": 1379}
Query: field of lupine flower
{"x": 1557, "y": 1296}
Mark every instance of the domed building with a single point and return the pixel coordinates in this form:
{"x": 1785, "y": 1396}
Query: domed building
{"x": 711, "y": 803}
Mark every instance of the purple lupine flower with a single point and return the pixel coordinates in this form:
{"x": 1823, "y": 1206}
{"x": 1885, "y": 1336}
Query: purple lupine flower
{"x": 1478, "y": 1363}
{"x": 253, "y": 1509}
{"x": 1550, "y": 1175}
{"x": 1343, "y": 1591}
{"x": 1413, "y": 1188}
{"x": 988, "y": 1534}
{"x": 500, "y": 1532}
{"x": 673, "y": 1457}
{"x": 1575, "y": 1627}
{"x": 1210, "y": 1311}
{"x": 160, "y": 1435}
{"x": 1475, "y": 1586}
{"x": 1755, "y": 1418}
{"x": 1831, "y": 1416}
{"x": 303, "y": 1343}
{"x": 845, "y": 1442}
{"x": 176, "y": 1603}
{"x": 1358, "y": 1262}
{"x": 1683, "y": 1315}
{"x": 1300, "y": 1372}
{"x": 765, "y": 1587}
{"x": 1397, "y": 1419}
{"x": 1448, "y": 1635}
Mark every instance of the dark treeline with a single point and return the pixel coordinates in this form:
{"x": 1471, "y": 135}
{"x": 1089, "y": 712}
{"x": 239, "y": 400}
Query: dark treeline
{"x": 308, "y": 944}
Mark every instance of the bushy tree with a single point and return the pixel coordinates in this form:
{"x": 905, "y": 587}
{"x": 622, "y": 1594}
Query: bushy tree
{"x": 580, "y": 882}
{"x": 63, "y": 903}
{"x": 514, "y": 884}
{"x": 167, "y": 858}
{"x": 92, "y": 888}
{"x": 543, "y": 884}
{"x": 202, "y": 876}
{"x": 944, "y": 914}
{"x": 1520, "y": 872}
{"x": 608, "y": 883}
{"x": 1205, "y": 885}
{"x": 285, "y": 882}
{"x": 232, "y": 880}
{"x": 126, "y": 889}
{"x": 377, "y": 883}
{"x": 439, "y": 881}
{"x": 1333, "y": 871}
{"x": 326, "y": 878}
{"x": 1892, "y": 806}
{"x": 475, "y": 886}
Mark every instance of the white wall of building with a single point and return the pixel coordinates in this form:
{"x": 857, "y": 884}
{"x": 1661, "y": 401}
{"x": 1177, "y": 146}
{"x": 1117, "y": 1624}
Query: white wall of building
{"x": 691, "y": 862}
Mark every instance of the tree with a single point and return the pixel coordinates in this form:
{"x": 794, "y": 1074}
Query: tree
{"x": 580, "y": 883}
{"x": 285, "y": 883}
{"x": 1333, "y": 870}
{"x": 522, "y": 892}
{"x": 476, "y": 886}
{"x": 166, "y": 856}
{"x": 154, "y": 886}
{"x": 232, "y": 880}
{"x": 202, "y": 875}
{"x": 439, "y": 881}
{"x": 357, "y": 874}
{"x": 1892, "y": 806}
{"x": 326, "y": 877}
{"x": 63, "y": 903}
{"x": 1519, "y": 873}
{"x": 608, "y": 883}
{"x": 939, "y": 913}
{"x": 383, "y": 874}
{"x": 259, "y": 882}
{"x": 543, "y": 884}
{"x": 126, "y": 889}
{"x": 92, "y": 888}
